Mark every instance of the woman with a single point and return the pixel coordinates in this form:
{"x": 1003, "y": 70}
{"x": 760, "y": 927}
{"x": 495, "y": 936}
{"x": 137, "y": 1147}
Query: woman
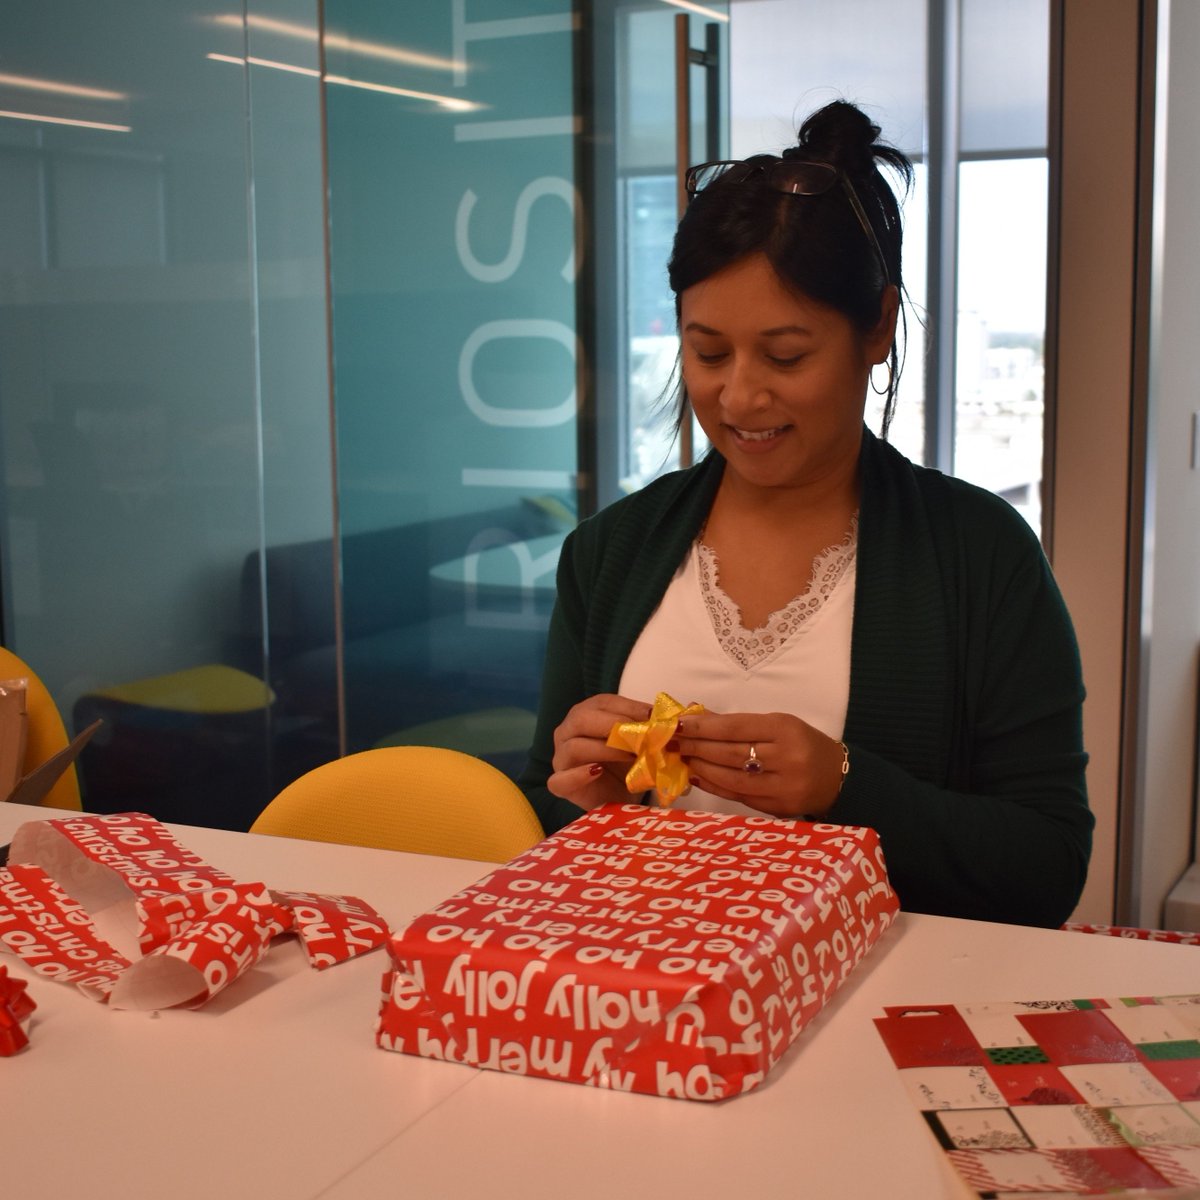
{"x": 873, "y": 643}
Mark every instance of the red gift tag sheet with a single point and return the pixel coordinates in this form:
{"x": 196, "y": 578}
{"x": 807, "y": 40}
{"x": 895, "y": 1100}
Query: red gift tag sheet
{"x": 1058, "y": 1098}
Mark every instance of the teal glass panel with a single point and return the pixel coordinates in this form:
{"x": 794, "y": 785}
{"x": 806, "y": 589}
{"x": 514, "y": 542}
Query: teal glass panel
{"x": 287, "y": 585}
{"x": 163, "y": 398}
{"x": 451, "y": 171}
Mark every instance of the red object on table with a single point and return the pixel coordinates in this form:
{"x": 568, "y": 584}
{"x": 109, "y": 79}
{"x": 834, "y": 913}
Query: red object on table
{"x": 15, "y": 1007}
{"x": 198, "y": 928}
{"x": 1181, "y": 937}
{"x": 677, "y": 953}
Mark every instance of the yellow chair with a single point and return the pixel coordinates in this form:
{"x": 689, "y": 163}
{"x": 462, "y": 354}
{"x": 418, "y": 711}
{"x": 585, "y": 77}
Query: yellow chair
{"x": 45, "y": 733}
{"x": 423, "y": 799}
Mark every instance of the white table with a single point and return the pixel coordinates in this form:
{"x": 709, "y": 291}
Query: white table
{"x": 276, "y": 1089}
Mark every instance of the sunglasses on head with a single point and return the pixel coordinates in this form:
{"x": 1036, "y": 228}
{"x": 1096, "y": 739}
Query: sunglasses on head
{"x": 789, "y": 176}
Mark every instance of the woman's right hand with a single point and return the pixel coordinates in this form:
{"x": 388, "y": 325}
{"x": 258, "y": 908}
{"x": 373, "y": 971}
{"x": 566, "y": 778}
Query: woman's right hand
{"x": 586, "y": 770}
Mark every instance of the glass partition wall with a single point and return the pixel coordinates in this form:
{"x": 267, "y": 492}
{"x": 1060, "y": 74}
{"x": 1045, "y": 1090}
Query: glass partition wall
{"x": 288, "y": 386}
{"x": 321, "y": 324}
{"x": 163, "y": 382}
{"x": 454, "y": 275}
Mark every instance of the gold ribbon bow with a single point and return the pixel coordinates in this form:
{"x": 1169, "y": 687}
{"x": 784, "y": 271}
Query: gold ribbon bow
{"x": 655, "y": 766}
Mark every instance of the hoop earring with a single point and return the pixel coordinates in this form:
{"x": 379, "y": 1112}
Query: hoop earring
{"x": 887, "y": 391}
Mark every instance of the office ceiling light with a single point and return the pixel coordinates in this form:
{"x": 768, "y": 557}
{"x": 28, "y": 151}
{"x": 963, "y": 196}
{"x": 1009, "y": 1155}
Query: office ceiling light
{"x": 31, "y": 84}
{"x": 452, "y": 103}
{"x": 42, "y": 119}
{"x": 338, "y": 41}
{"x": 264, "y": 62}
{"x": 699, "y": 9}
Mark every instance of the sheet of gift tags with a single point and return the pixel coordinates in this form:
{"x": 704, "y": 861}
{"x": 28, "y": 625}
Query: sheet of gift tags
{"x": 1059, "y": 1098}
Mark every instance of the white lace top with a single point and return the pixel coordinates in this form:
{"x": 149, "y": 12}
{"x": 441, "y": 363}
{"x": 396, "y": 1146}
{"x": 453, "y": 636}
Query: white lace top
{"x": 747, "y": 647}
{"x": 695, "y": 648}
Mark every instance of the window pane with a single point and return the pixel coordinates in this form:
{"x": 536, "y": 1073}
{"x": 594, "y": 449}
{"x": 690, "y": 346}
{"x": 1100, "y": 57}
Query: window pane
{"x": 645, "y": 345}
{"x": 1005, "y": 75}
{"x": 653, "y": 345}
{"x": 1001, "y": 325}
{"x": 788, "y": 58}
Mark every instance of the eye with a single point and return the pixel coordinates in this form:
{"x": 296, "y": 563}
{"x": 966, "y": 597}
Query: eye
{"x": 782, "y": 361}
{"x": 708, "y": 356}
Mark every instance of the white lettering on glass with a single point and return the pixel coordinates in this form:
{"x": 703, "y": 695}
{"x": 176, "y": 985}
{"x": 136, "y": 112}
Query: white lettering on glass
{"x": 529, "y": 327}
{"x": 507, "y": 266}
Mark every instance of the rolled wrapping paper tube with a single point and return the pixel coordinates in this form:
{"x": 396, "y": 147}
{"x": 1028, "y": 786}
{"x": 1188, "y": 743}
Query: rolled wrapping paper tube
{"x": 655, "y": 767}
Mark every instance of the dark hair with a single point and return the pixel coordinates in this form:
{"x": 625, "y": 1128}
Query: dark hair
{"x": 815, "y": 243}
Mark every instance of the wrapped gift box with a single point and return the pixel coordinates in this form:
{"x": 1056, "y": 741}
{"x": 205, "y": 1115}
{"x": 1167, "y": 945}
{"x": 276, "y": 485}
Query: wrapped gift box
{"x": 677, "y": 953}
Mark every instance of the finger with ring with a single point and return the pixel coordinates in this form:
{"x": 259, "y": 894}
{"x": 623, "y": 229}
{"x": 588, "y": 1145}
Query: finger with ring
{"x": 753, "y": 765}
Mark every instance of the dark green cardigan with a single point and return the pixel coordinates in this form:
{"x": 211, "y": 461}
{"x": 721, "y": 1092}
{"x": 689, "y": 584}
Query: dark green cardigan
{"x": 965, "y": 716}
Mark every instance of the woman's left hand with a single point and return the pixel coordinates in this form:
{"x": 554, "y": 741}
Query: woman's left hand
{"x": 801, "y": 768}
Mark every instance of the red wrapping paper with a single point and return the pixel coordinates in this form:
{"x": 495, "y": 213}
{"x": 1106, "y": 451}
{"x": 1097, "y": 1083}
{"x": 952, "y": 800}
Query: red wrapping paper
{"x": 198, "y": 929}
{"x": 53, "y": 934}
{"x": 334, "y": 928}
{"x": 673, "y": 953}
{"x": 16, "y": 1007}
{"x": 1180, "y": 937}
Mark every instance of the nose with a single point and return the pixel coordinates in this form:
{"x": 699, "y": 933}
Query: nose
{"x": 745, "y": 389}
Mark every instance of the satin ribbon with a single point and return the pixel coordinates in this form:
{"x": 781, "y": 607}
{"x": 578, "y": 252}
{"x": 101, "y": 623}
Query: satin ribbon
{"x": 655, "y": 766}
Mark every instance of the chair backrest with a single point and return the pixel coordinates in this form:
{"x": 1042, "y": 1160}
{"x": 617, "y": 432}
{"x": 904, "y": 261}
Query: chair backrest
{"x": 45, "y": 733}
{"x": 423, "y": 799}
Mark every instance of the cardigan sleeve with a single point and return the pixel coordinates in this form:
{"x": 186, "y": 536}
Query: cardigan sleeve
{"x": 562, "y": 687}
{"x": 1006, "y": 836}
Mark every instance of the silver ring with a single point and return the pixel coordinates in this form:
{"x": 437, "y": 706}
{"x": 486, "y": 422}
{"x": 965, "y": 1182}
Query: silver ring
{"x": 752, "y": 765}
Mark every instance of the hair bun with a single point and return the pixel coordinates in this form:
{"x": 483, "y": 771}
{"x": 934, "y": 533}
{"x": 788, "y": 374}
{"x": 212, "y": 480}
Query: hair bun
{"x": 841, "y": 134}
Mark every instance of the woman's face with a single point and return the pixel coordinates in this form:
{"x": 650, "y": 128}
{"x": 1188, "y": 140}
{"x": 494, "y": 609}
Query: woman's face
{"x": 777, "y": 381}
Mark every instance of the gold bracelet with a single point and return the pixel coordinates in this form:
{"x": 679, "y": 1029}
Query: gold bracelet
{"x": 845, "y": 766}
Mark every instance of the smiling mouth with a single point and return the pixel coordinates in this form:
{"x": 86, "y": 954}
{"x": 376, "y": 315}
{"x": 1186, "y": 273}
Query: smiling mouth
{"x": 758, "y": 435}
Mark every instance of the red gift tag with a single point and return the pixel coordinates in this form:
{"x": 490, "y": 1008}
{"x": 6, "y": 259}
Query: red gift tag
{"x": 932, "y": 1036}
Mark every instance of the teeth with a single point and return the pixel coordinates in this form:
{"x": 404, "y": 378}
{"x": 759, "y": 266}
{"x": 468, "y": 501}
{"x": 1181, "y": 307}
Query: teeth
{"x": 756, "y": 435}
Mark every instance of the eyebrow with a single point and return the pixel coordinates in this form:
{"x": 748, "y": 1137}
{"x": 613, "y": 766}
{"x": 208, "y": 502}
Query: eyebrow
{"x": 697, "y": 327}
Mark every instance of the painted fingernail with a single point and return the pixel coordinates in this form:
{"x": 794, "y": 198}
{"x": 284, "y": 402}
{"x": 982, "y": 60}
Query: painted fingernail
{"x": 680, "y": 727}
{"x": 595, "y": 769}
{"x": 693, "y": 781}
{"x": 673, "y": 746}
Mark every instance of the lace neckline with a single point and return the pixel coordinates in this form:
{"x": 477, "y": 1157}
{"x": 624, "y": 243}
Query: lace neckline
{"x": 749, "y": 647}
